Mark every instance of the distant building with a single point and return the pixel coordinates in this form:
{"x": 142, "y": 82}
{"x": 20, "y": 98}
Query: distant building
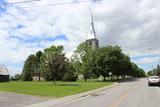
{"x": 4, "y": 74}
{"x": 37, "y": 78}
{"x": 91, "y": 38}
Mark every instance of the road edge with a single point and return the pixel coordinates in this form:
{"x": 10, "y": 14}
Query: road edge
{"x": 54, "y": 102}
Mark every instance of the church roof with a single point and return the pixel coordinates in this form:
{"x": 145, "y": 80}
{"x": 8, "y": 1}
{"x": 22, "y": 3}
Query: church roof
{"x": 3, "y": 70}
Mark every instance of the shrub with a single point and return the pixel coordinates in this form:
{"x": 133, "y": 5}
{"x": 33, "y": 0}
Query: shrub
{"x": 70, "y": 76}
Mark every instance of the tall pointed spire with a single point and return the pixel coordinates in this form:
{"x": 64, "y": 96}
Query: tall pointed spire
{"x": 92, "y": 33}
{"x": 91, "y": 38}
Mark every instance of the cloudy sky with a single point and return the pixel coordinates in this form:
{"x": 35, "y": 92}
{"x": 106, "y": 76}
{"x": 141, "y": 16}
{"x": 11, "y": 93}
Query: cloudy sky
{"x": 31, "y": 26}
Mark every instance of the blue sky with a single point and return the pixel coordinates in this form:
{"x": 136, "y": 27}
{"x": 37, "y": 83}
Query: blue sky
{"x": 23, "y": 31}
{"x": 2, "y": 9}
{"x": 147, "y": 62}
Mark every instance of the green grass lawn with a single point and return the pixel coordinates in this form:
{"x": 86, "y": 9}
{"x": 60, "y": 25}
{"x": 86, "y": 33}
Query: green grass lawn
{"x": 48, "y": 89}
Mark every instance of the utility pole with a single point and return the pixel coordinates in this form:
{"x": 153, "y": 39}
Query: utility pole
{"x": 152, "y": 69}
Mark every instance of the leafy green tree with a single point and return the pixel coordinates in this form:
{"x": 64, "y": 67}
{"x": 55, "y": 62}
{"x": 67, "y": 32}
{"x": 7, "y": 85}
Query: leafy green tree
{"x": 150, "y": 73}
{"x": 16, "y": 77}
{"x": 28, "y": 68}
{"x": 38, "y": 56}
{"x": 125, "y": 66}
{"x": 136, "y": 71}
{"x": 54, "y": 63}
{"x": 82, "y": 59}
{"x": 157, "y": 70}
{"x": 111, "y": 59}
{"x": 70, "y": 75}
{"x": 101, "y": 62}
{"x": 116, "y": 58}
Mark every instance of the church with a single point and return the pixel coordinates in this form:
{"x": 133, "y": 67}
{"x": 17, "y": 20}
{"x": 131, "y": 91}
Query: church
{"x": 91, "y": 39}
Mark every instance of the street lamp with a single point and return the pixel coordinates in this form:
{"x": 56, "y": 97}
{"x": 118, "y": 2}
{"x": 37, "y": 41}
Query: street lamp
{"x": 158, "y": 60}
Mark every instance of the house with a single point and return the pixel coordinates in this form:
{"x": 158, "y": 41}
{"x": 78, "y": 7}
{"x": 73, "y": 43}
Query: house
{"x": 37, "y": 78}
{"x": 4, "y": 74}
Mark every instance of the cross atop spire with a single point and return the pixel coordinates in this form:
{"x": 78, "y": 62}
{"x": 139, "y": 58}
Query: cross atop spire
{"x": 92, "y": 32}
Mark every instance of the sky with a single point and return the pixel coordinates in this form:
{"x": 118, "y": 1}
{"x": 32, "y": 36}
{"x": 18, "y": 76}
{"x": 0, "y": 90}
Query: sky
{"x": 28, "y": 27}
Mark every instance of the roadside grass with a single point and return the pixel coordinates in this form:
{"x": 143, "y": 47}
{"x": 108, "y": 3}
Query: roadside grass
{"x": 48, "y": 89}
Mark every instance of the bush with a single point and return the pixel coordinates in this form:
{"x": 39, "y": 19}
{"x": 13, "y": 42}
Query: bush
{"x": 70, "y": 76}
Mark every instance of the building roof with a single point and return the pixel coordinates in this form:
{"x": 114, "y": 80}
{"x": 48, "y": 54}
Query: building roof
{"x": 3, "y": 70}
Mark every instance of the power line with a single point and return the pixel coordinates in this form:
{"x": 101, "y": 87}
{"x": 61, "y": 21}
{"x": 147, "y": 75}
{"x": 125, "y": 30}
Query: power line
{"x": 12, "y": 3}
{"x": 59, "y": 4}
{"x": 48, "y": 5}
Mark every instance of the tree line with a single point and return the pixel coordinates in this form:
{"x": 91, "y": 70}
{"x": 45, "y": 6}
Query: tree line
{"x": 104, "y": 60}
{"x": 53, "y": 65}
{"x": 155, "y": 71}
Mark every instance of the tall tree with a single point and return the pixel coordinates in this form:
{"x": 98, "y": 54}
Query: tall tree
{"x": 38, "y": 56}
{"x": 110, "y": 59}
{"x": 115, "y": 58}
{"x": 82, "y": 58}
{"x": 71, "y": 75}
{"x": 28, "y": 68}
{"x": 54, "y": 63}
{"x": 101, "y": 62}
{"x": 157, "y": 70}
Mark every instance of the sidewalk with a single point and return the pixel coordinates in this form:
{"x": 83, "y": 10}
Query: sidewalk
{"x": 57, "y": 101}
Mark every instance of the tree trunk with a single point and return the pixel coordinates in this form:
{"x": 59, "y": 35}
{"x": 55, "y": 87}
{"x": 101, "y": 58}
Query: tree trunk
{"x": 117, "y": 77}
{"x": 85, "y": 78}
{"x": 111, "y": 78}
{"x": 54, "y": 78}
{"x": 54, "y": 81}
{"x": 123, "y": 77}
{"x": 104, "y": 78}
{"x": 39, "y": 78}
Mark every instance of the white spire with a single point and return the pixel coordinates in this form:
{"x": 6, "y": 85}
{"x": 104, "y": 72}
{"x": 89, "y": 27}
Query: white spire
{"x": 92, "y": 33}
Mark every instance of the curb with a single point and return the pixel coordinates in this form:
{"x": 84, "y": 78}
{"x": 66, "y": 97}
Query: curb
{"x": 63, "y": 100}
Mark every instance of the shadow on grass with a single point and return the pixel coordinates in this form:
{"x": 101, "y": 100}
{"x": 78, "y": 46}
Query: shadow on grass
{"x": 63, "y": 84}
{"x": 67, "y": 84}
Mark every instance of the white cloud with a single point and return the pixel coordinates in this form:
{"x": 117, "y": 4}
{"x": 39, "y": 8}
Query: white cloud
{"x": 132, "y": 24}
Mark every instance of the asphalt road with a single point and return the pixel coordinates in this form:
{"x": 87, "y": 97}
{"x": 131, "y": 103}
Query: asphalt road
{"x": 8, "y": 99}
{"x": 133, "y": 93}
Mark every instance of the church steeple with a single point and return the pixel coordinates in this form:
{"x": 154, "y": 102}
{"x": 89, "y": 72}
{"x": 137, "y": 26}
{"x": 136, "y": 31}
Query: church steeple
{"x": 92, "y": 32}
{"x": 91, "y": 38}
